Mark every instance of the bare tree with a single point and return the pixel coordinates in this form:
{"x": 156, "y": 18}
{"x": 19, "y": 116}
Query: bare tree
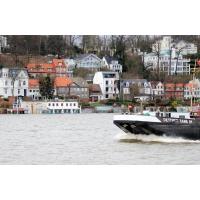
{"x": 178, "y": 54}
{"x": 134, "y": 90}
{"x": 156, "y": 51}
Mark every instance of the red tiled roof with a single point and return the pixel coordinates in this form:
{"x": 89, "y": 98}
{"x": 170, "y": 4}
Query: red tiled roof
{"x": 174, "y": 84}
{"x": 62, "y": 82}
{"x": 41, "y": 68}
{"x": 33, "y": 83}
{"x": 189, "y": 85}
{"x": 58, "y": 62}
{"x": 46, "y": 67}
{"x": 41, "y": 65}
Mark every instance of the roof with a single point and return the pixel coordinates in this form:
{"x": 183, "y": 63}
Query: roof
{"x": 80, "y": 81}
{"x": 33, "y": 83}
{"x": 189, "y": 85}
{"x": 95, "y": 88}
{"x": 109, "y": 59}
{"x": 82, "y": 56}
{"x": 46, "y": 66}
{"x": 58, "y": 62}
{"x": 174, "y": 84}
{"x": 155, "y": 83}
{"x": 134, "y": 80}
{"x": 14, "y": 72}
{"x": 89, "y": 77}
{"x": 62, "y": 82}
{"x": 42, "y": 65}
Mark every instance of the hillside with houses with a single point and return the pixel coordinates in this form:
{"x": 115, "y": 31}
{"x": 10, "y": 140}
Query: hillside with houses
{"x": 122, "y": 69}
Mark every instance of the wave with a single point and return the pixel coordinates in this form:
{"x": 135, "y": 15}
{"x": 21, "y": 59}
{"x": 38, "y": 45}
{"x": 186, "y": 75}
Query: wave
{"x": 121, "y": 137}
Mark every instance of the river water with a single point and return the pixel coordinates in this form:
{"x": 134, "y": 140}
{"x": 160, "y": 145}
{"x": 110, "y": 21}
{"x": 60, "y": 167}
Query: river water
{"x": 85, "y": 139}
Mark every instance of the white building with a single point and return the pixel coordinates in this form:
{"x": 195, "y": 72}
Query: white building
{"x": 166, "y": 43}
{"x": 3, "y": 43}
{"x": 186, "y": 48}
{"x": 192, "y": 89}
{"x": 88, "y": 61}
{"x": 58, "y": 107}
{"x": 112, "y": 64}
{"x": 178, "y": 64}
{"x": 70, "y": 63}
{"x": 108, "y": 82}
{"x": 13, "y": 81}
{"x": 127, "y": 92}
{"x": 33, "y": 89}
{"x": 162, "y": 45}
{"x": 157, "y": 89}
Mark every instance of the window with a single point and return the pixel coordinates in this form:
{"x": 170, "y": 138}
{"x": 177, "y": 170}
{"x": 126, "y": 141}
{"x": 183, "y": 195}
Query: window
{"x": 24, "y": 82}
{"x": 61, "y": 104}
{"x": 70, "y": 104}
{"x": 49, "y": 104}
{"x": 106, "y": 82}
{"x": 66, "y": 104}
{"x": 30, "y": 90}
{"x": 6, "y": 83}
{"x": 56, "y": 104}
{"x": 5, "y": 90}
{"x": 74, "y": 104}
{"x": 53, "y": 104}
{"x": 18, "y": 91}
{"x": 106, "y": 89}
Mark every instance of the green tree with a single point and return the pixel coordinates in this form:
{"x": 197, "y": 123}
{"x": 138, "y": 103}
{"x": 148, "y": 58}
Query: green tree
{"x": 46, "y": 87}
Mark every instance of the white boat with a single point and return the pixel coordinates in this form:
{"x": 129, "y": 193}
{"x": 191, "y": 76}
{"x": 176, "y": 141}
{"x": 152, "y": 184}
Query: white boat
{"x": 62, "y": 107}
{"x": 173, "y": 124}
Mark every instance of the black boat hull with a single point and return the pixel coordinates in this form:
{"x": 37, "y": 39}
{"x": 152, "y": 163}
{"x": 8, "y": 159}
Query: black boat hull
{"x": 187, "y": 131}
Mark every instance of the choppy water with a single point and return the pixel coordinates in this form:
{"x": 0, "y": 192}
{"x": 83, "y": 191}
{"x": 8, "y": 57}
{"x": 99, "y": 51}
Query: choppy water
{"x": 85, "y": 139}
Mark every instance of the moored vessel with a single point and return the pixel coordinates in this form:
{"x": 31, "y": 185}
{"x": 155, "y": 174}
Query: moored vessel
{"x": 62, "y": 107}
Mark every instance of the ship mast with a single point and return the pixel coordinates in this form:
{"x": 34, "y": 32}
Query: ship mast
{"x": 193, "y": 79}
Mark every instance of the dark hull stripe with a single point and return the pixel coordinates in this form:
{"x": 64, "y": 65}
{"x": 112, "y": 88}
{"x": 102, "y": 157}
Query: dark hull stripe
{"x": 187, "y": 131}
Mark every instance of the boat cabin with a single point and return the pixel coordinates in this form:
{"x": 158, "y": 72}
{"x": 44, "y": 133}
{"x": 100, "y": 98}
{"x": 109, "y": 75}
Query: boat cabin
{"x": 62, "y": 107}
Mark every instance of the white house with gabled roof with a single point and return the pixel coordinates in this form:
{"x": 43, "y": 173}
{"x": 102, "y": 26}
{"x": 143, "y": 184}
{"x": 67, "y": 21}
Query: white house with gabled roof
{"x": 88, "y": 61}
{"x": 112, "y": 64}
{"x": 13, "y": 81}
